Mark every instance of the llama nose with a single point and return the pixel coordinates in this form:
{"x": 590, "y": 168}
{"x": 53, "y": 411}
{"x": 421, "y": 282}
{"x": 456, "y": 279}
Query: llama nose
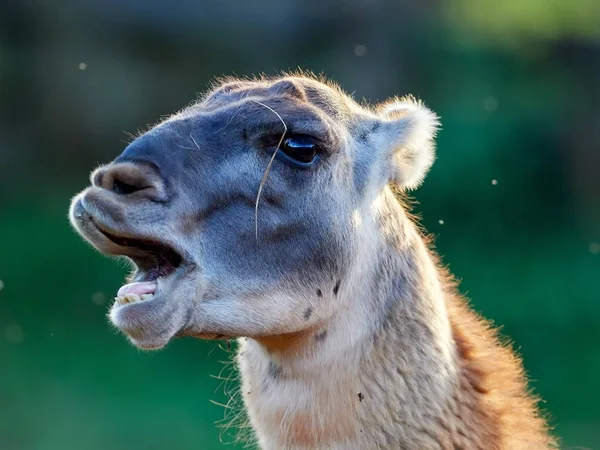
{"x": 128, "y": 179}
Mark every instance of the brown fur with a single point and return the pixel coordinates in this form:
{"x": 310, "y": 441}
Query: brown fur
{"x": 405, "y": 393}
{"x": 492, "y": 400}
{"x": 492, "y": 407}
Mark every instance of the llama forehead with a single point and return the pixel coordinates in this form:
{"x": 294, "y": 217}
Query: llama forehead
{"x": 328, "y": 98}
{"x": 235, "y": 115}
{"x": 238, "y": 109}
{"x": 293, "y": 98}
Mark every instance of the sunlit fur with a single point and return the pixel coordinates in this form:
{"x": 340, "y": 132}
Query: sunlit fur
{"x": 352, "y": 336}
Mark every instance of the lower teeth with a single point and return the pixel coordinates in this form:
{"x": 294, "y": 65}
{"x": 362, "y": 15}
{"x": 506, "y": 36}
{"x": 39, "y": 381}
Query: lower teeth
{"x": 133, "y": 298}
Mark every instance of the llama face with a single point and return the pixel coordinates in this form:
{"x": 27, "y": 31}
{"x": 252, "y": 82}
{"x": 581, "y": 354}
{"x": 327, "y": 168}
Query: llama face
{"x": 212, "y": 258}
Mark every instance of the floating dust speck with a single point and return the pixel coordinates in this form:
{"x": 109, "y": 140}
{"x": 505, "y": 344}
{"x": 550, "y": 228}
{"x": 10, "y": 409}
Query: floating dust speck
{"x": 360, "y": 50}
{"x": 82, "y": 66}
{"x": 441, "y": 222}
{"x": 490, "y": 104}
{"x": 595, "y": 248}
{"x": 494, "y": 182}
{"x": 14, "y": 334}
{"x": 98, "y": 298}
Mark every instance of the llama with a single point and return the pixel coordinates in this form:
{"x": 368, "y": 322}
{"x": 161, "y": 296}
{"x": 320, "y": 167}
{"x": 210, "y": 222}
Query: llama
{"x": 268, "y": 210}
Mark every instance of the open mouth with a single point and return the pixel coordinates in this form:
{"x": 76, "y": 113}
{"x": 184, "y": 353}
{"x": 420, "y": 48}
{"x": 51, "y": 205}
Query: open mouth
{"x": 153, "y": 259}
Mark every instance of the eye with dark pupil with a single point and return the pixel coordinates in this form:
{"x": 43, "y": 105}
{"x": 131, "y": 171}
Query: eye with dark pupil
{"x": 302, "y": 149}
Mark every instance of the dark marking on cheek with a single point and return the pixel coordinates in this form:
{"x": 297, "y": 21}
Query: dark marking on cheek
{"x": 308, "y": 312}
{"x": 375, "y": 338}
{"x": 319, "y": 293}
{"x": 274, "y": 370}
{"x": 336, "y": 288}
{"x": 361, "y": 396}
{"x": 375, "y": 127}
{"x": 321, "y": 336}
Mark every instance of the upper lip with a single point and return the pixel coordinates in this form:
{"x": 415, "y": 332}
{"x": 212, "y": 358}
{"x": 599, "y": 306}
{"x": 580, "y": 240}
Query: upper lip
{"x": 153, "y": 257}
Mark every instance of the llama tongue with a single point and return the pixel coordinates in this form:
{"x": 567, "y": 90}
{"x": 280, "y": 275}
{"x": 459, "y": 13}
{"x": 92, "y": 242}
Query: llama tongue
{"x": 140, "y": 288}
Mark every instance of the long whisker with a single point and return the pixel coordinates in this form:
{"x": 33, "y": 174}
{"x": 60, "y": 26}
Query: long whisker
{"x": 194, "y": 141}
{"x": 268, "y": 169}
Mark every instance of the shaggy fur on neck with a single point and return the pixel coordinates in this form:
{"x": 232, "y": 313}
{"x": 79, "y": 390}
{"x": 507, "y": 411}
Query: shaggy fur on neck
{"x": 406, "y": 366}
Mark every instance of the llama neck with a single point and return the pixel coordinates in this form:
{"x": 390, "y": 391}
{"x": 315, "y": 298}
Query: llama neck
{"x": 393, "y": 369}
{"x": 334, "y": 385}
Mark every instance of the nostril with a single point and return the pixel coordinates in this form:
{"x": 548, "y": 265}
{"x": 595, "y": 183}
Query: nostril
{"x": 123, "y": 188}
{"x": 126, "y": 179}
{"x": 129, "y": 178}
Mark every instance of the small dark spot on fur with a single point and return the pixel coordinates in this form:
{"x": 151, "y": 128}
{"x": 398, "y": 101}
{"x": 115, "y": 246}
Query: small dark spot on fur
{"x": 244, "y": 134}
{"x": 274, "y": 370}
{"x": 249, "y": 392}
{"x": 336, "y": 288}
{"x": 360, "y": 396}
{"x": 308, "y": 312}
{"x": 319, "y": 293}
{"x": 321, "y": 336}
{"x": 375, "y": 127}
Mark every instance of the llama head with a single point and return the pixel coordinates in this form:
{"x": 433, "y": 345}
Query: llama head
{"x": 213, "y": 258}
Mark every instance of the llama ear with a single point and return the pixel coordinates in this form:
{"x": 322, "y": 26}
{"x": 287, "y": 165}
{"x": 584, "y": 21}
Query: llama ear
{"x": 408, "y": 132}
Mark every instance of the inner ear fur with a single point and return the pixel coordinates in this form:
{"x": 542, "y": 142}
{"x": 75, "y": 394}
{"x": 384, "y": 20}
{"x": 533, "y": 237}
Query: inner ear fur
{"x": 409, "y": 129}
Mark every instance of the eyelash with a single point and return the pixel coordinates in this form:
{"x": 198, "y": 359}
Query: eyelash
{"x": 299, "y": 150}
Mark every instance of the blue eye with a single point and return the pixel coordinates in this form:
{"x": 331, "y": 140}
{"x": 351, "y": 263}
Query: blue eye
{"x": 300, "y": 151}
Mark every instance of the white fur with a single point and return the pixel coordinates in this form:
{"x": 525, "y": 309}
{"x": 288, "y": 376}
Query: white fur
{"x": 323, "y": 383}
{"x": 411, "y": 131}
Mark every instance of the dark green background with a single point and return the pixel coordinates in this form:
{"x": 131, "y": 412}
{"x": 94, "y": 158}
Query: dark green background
{"x": 517, "y": 84}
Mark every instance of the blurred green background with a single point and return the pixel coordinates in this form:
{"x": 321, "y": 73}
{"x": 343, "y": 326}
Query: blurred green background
{"x": 513, "y": 197}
